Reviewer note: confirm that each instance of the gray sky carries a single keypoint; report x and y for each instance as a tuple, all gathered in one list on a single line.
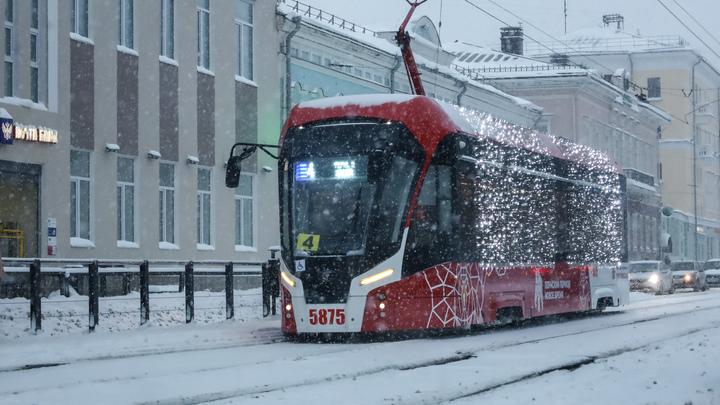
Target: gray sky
[(463, 20)]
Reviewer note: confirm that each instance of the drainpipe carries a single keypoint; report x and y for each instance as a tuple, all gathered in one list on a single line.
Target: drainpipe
[(288, 77), (398, 61), (694, 143), (462, 92)]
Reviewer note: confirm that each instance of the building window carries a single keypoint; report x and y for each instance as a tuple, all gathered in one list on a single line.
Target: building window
[(9, 46), (34, 49), (167, 203), (653, 87), (243, 22), (126, 22), (125, 199), (203, 206), (167, 28), (80, 17), (203, 33), (80, 194), (244, 208)]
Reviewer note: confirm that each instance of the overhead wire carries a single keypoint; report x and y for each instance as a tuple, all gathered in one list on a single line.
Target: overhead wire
[(688, 28), (579, 53), (696, 21)]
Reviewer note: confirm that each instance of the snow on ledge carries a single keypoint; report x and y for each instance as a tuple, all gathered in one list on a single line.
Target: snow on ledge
[(245, 81), (165, 59), (202, 70), (81, 38), (81, 243), (23, 102), (168, 246), (125, 49), (247, 249), (202, 246), (123, 244)]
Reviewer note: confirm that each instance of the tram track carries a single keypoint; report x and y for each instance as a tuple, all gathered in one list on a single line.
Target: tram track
[(573, 366)]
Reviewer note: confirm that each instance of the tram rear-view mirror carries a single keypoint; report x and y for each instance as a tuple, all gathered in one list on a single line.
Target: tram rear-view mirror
[(232, 172)]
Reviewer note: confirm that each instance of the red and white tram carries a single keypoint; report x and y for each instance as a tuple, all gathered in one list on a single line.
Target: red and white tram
[(400, 212)]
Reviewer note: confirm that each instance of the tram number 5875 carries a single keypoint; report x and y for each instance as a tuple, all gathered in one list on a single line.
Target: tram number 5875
[(327, 316)]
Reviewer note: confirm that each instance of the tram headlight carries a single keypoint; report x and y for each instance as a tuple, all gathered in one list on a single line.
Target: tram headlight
[(288, 307), (376, 277), (654, 279), (287, 279), (382, 305)]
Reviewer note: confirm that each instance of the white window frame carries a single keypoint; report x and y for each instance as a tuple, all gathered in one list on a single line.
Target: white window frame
[(245, 59), (9, 81), (167, 28), (76, 210), (167, 236), (204, 202), (126, 23), (79, 26), (241, 202), (203, 35), (124, 187), (38, 12)]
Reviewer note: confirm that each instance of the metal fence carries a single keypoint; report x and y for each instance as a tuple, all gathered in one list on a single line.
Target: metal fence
[(90, 277)]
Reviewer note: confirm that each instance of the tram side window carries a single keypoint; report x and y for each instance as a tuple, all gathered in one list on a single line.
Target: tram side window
[(591, 220), (514, 219)]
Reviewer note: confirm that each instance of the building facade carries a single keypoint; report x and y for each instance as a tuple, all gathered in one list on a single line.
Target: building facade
[(676, 78), (120, 116)]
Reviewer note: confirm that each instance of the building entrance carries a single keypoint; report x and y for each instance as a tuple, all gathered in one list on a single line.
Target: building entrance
[(19, 209)]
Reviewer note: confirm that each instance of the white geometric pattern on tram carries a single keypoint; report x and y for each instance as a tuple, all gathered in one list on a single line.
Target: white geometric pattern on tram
[(457, 292)]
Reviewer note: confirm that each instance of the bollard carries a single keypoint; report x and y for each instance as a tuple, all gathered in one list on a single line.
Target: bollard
[(189, 293), (35, 310), (65, 284), (144, 292), (126, 283), (93, 290), (270, 285), (229, 292)]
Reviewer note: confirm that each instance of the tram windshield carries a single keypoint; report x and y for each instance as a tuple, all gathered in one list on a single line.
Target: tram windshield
[(347, 188)]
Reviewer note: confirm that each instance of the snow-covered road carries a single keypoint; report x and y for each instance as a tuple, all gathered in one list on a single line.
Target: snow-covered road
[(657, 350)]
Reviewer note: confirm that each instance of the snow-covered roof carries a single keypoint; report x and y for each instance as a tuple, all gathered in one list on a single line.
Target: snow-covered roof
[(480, 61), (605, 39)]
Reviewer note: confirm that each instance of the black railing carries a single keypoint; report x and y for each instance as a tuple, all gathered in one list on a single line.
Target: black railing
[(98, 271), (313, 12)]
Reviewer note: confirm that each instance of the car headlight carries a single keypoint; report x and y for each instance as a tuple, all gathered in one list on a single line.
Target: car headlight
[(654, 279), (688, 277)]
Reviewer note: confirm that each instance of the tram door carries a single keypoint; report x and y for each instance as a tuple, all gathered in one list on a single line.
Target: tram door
[(19, 209)]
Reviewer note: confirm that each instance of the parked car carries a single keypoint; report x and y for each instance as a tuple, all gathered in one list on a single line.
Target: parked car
[(689, 274), (712, 272), (650, 275)]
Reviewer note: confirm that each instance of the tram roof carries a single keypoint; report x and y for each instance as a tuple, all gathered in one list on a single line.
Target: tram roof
[(431, 120)]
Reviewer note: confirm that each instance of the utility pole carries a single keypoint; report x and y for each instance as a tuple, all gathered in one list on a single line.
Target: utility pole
[(565, 8)]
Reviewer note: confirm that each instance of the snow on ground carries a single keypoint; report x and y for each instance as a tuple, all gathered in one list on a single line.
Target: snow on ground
[(69, 315), (660, 360)]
